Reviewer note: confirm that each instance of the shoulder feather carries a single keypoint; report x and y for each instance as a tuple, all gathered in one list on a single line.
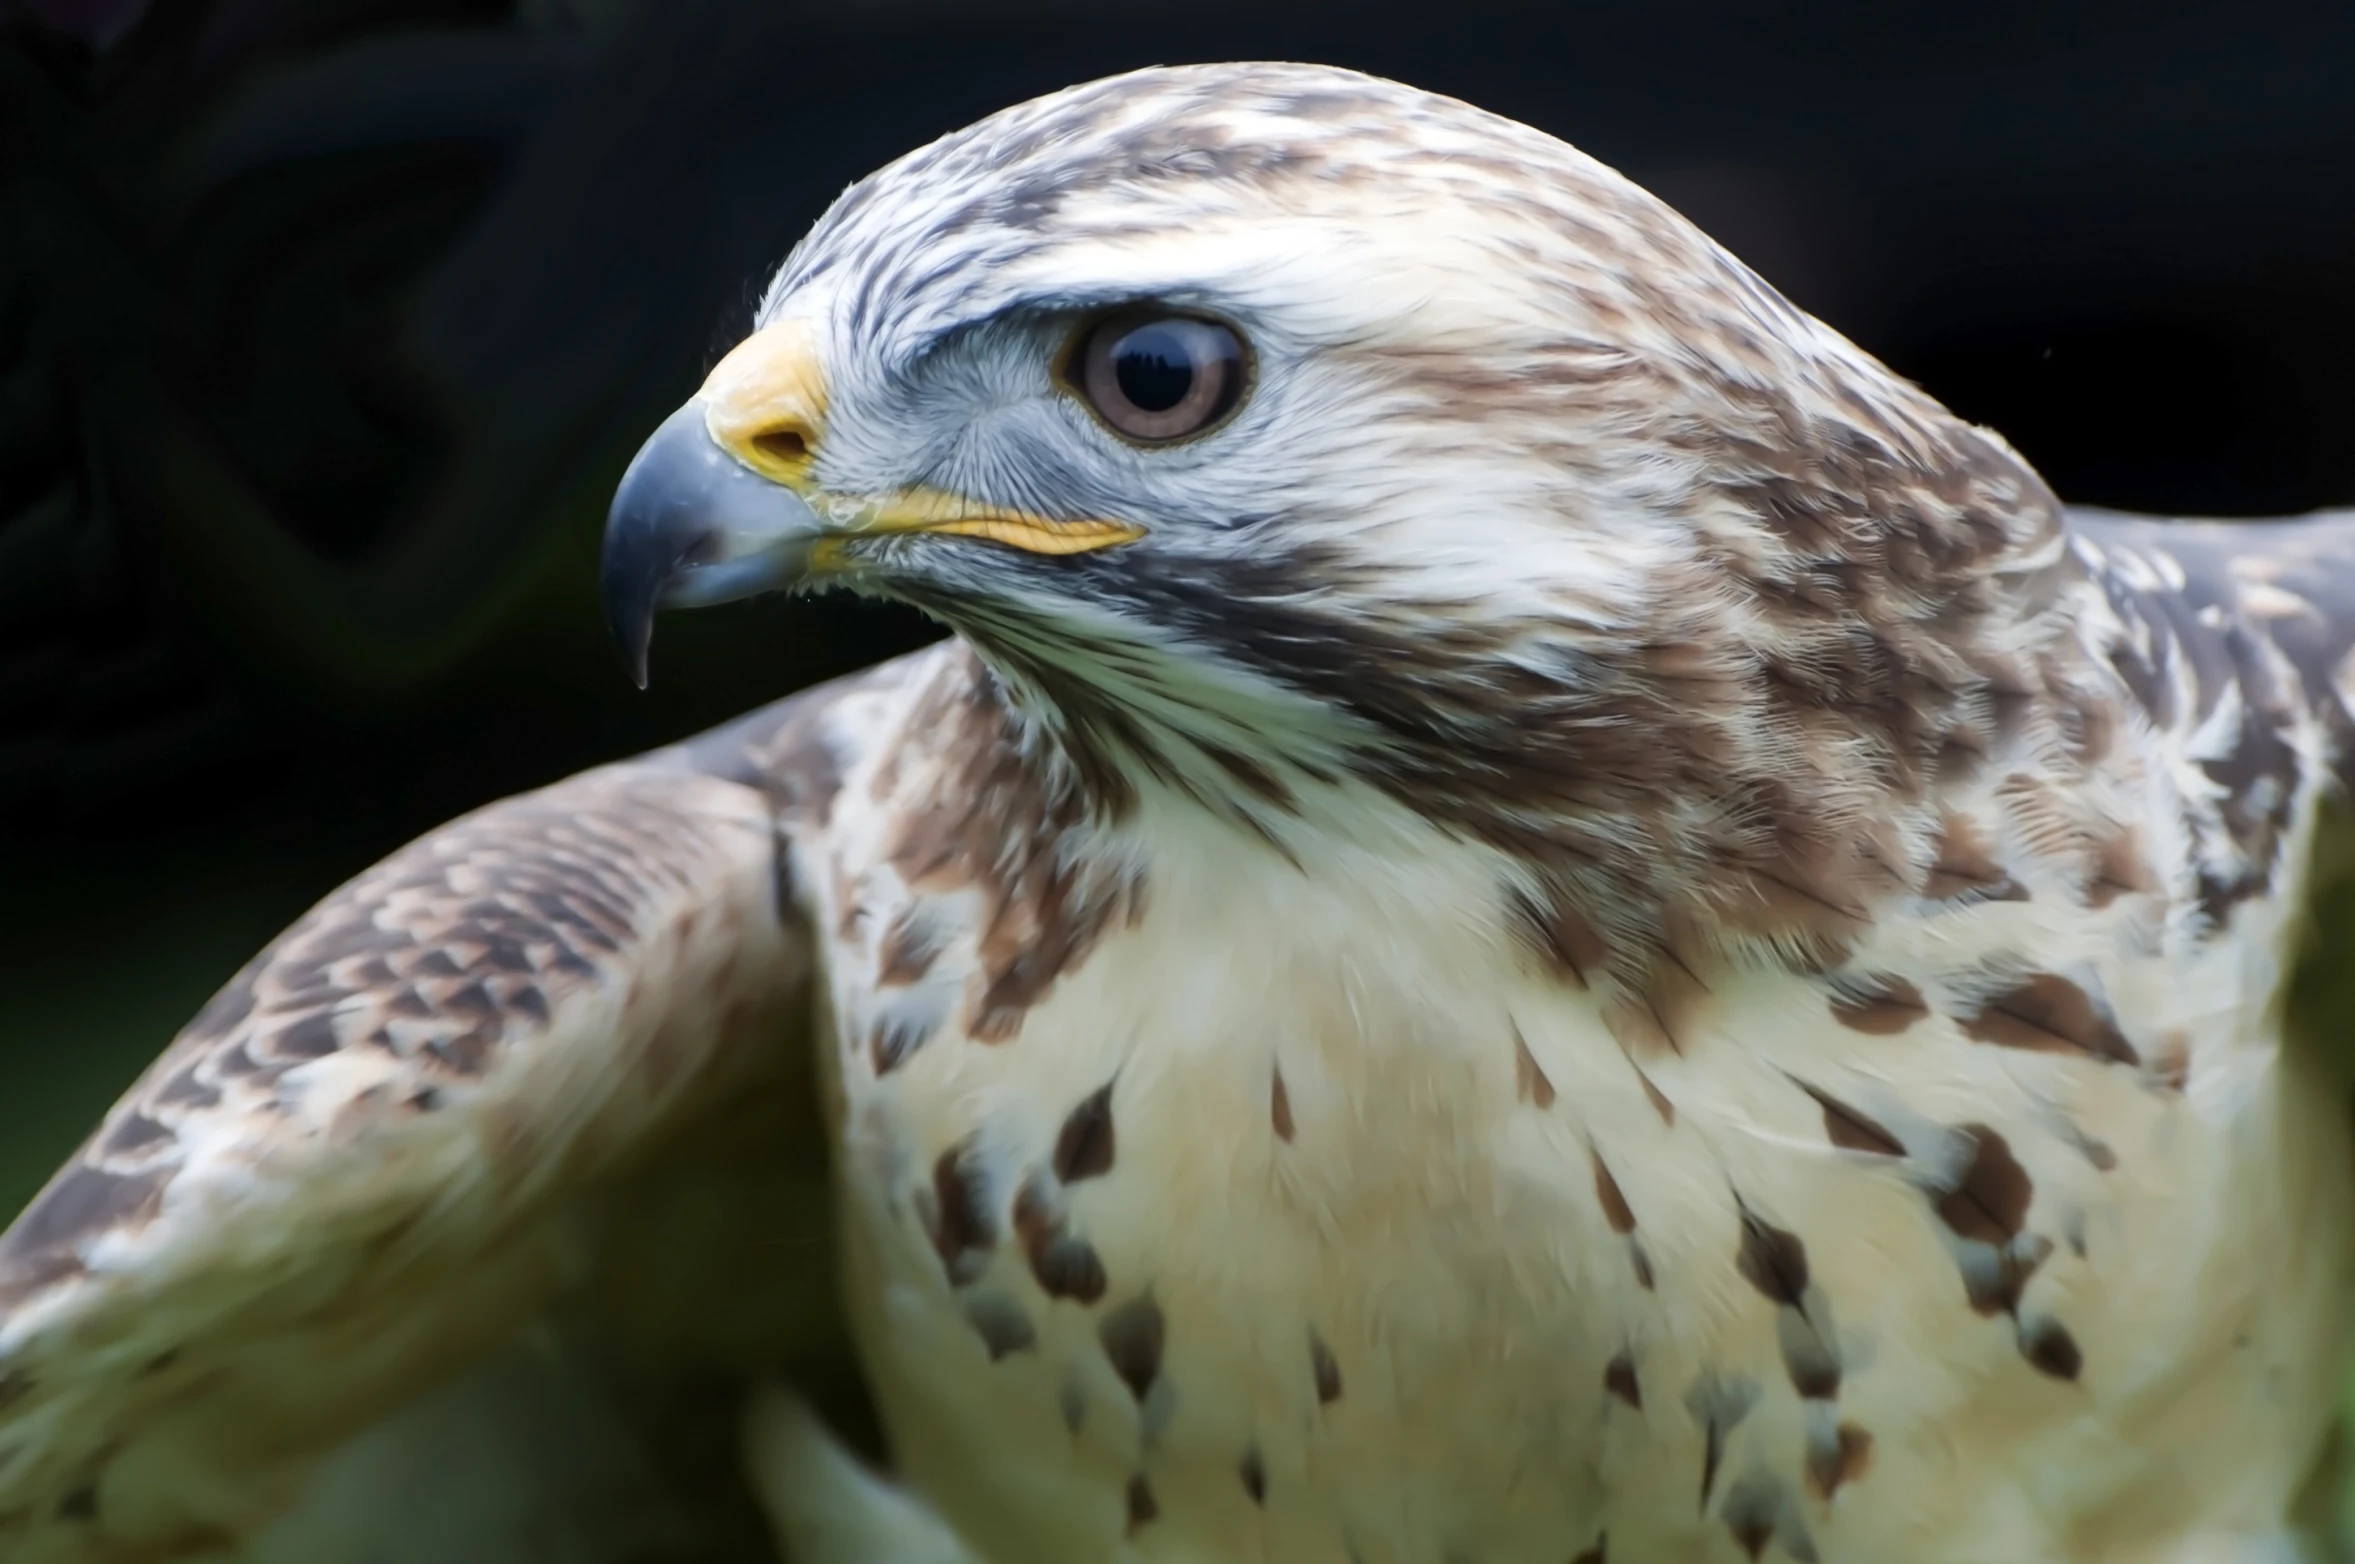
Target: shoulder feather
[(356, 1161)]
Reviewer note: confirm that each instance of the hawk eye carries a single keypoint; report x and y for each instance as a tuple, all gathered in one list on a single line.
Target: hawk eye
[(1157, 378)]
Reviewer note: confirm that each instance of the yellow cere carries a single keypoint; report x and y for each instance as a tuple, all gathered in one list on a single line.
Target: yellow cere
[(765, 403)]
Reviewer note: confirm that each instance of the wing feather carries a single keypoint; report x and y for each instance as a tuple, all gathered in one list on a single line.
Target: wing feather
[(2187, 592), (380, 1149)]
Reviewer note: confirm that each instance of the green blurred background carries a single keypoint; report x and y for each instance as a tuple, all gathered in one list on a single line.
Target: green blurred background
[(326, 327)]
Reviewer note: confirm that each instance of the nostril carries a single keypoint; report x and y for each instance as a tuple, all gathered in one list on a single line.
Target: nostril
[(783, 445)]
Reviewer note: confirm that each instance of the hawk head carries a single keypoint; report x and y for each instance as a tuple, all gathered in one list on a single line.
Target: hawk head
[(1271, 429)]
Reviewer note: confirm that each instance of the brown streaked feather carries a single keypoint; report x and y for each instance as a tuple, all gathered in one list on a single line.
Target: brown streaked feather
[(407, 1128), (2231, 637)]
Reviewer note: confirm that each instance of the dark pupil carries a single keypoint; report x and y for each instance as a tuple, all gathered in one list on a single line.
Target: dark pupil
[(1154, 369)]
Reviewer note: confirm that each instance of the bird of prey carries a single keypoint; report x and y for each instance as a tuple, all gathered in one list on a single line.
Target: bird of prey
[(1535, 914)]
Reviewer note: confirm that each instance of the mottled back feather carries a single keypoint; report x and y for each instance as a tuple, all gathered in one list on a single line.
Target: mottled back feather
[(494, 1073)]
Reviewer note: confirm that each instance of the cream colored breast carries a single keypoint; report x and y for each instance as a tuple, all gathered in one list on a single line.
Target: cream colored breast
[(1302, 1219)]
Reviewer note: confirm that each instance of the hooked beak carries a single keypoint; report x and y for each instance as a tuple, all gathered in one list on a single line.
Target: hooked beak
[(720, 503), (691, 526)]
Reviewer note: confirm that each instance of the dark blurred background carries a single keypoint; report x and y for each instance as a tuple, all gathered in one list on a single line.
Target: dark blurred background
[(326, 327)]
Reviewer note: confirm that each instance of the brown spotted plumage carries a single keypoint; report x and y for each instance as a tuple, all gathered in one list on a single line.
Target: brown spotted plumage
[(1142, 1506), (1325, 1373), (1851, 1130), (1620, 1379), (395, 1139), (1064, 1265), (1583, 916), (1084, 1148), (1132, 1338), (1836, 1457), (962, 1229)]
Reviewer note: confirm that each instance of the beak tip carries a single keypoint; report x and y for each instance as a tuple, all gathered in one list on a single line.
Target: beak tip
[(690, 526), (631, 593)]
